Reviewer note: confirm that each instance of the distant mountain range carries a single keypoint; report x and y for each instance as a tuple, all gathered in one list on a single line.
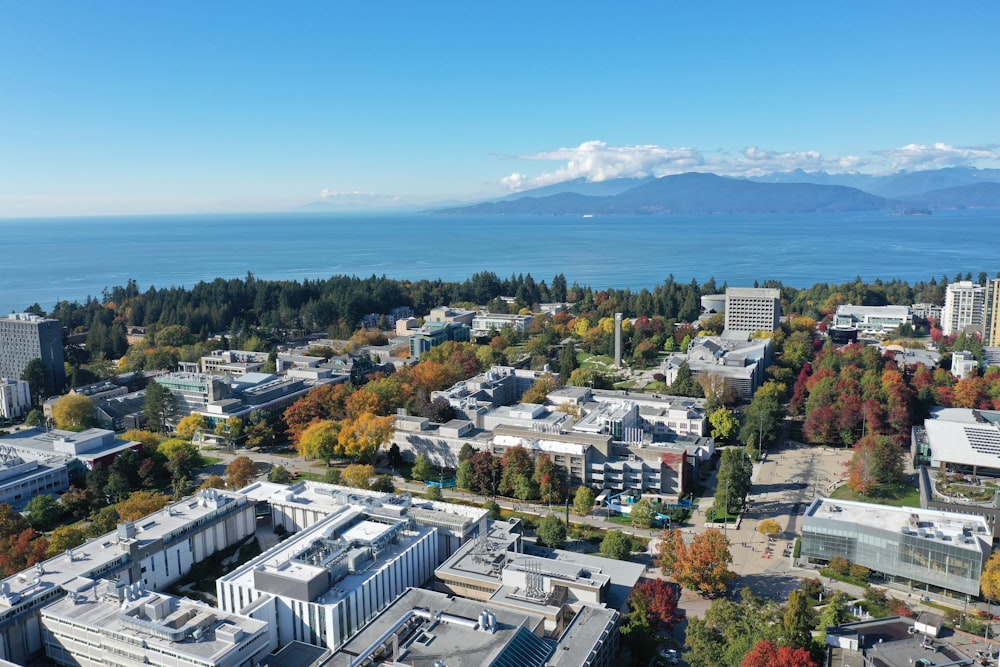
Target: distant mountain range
[(786, 192)]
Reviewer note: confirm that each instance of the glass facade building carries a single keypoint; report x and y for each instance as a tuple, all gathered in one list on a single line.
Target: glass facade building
[(919, 546)]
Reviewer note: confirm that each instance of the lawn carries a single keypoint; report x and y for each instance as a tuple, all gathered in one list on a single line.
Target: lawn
[(900, 495), (209, 461)]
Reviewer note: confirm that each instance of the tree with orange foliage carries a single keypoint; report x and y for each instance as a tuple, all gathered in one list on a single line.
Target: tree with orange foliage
[(360, 438), (363, 401), (766, 654), (140, 504), (323, 402), (701, 566)]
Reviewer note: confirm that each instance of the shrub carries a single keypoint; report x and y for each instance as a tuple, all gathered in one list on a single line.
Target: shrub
[(841, 566), (797, 549), (859, 572)]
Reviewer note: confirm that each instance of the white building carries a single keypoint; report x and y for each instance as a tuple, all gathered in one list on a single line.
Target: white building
[(325, 583), (104, 623), (21, 478), (15, 398), (751, 309), (964, 305), (484, 321), (155, 551), (872, 318)]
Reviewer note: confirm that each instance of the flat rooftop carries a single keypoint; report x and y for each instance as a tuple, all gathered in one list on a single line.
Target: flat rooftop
[(103, 552), (195, 626), (454, 638), (963, 531), (887, 643)]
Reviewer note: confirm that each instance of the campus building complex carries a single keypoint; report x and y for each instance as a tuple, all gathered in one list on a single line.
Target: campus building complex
[(873, 318), (24, 337), (153, 553), (106, 623), (327, 581), (940, 551)]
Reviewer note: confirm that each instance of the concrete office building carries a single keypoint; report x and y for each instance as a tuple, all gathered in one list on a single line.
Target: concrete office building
[(454, 315), (326, 582), (423, 628), (15, 398), (95, 445), (741, 363), (964, 306), (302, 505), (872, 318), (926, 549), (105, 623), (24, 337), (435, 333), (751, 309), (155, 551), (23, 478), (502, 569), (484, 321), (501, 385)]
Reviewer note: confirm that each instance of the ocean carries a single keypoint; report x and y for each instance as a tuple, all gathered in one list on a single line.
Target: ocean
[(48, 260)]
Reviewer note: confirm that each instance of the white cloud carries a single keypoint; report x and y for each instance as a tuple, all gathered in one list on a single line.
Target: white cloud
[(919, 157), (358, 198), (598, 161)]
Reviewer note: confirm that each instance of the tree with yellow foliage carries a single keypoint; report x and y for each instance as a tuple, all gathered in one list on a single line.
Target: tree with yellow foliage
[(360, 438), (140, 504), (74, 412), (320, 440), (189, 425), (989, 580)]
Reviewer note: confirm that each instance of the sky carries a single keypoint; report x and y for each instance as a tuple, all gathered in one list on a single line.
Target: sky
[(192, 106)]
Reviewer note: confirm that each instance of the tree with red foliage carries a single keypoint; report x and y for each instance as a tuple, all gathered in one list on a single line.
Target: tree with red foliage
[(766, 654), (821, 425), (661, 600), (486, 472), (322, 403), (798, 402)]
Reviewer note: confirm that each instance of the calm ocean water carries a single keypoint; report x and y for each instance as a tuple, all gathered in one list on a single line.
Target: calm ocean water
[(47, 260)]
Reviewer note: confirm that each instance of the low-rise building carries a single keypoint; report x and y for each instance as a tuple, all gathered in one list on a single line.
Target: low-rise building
[(22, 478), (232, 362), (106, 623), (435, 333), (930, 549), (453, 315), (484, 321), (423, 628), (155, 551), (740, 362), (873, 318), (85, 448)]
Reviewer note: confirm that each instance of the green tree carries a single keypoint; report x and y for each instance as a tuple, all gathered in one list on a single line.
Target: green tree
[(43, 511), (433, 493), (799, 620), (118, 488), (103, 521), (763, 418), (835, 612), (333, 476), (38, 384), (524, 488), (616, 544), (465, 475), (733, 480), (279, 475), (642, 514), (159, 406), (63, 538), (567, 362), (466, 452), (583, 501), (74, 412), (493, 508), (551, 531), (422, 468), (724, 425), (35, 418)]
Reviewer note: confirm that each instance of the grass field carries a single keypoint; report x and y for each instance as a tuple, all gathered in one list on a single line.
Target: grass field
[(901, 495)]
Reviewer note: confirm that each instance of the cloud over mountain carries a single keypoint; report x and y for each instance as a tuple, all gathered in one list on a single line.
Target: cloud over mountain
[(597, 161), (919, 157)]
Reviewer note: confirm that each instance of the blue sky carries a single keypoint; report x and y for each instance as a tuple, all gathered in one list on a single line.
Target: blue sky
[(124, 107)]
